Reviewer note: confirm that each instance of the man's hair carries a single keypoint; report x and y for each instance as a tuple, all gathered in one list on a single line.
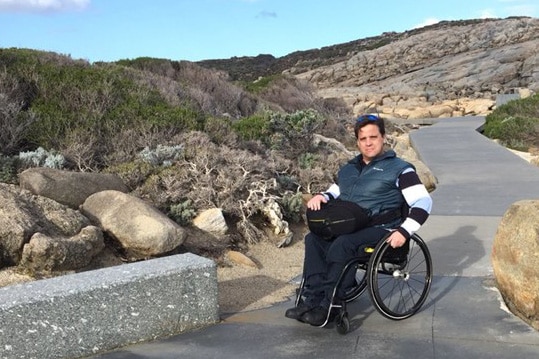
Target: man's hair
[(365, 120)]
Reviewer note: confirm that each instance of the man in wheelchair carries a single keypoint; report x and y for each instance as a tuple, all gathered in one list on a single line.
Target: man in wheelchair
[(376, 180)]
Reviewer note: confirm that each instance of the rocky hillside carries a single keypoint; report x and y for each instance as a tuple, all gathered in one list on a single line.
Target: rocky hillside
[(453, 68)]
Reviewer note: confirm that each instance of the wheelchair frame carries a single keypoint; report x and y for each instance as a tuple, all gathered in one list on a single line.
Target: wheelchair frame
[(398, 280)]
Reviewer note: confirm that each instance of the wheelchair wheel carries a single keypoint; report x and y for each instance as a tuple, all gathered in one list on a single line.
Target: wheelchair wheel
[(399, 279), (342, 323)]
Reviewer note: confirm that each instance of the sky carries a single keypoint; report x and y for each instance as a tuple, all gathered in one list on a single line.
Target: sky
[(194, 30)]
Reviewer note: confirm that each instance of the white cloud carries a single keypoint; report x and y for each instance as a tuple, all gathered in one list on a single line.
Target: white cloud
[(487, 14), (42, 5), (427, 22)]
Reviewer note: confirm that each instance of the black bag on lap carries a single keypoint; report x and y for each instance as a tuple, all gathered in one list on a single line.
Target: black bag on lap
[(337, 217)]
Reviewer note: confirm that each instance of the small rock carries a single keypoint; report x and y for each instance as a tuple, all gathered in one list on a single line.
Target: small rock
[(240, 258)]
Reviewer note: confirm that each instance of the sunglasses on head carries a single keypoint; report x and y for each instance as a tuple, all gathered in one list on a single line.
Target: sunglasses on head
[(369, 118)]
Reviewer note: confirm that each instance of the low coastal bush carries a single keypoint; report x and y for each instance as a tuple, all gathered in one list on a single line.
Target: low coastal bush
[(515, 124)]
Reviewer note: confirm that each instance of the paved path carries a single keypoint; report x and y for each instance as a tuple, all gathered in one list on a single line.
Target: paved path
[(464, 316)]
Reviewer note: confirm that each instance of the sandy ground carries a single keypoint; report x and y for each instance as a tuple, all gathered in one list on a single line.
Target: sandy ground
[(524, 155), (243, 288)]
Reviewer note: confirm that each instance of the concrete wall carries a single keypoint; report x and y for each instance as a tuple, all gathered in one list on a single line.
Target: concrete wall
[(86, 313), (502, 99)]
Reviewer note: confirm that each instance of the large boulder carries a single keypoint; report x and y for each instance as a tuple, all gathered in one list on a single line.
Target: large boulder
[(22, 214), (141, 229), (68, 187), (45, 254), (515, 259)]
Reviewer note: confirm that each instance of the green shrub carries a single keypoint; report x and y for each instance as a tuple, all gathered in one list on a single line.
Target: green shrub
[(515, 124), (8, 169), (220, 131), (183, 212), (296, 125), (292, 133), (261, 84), (256, 127), (78, 105), (292, 206), (134, 173), (512, 131), (377, 44), (103, 101), (307, 160)]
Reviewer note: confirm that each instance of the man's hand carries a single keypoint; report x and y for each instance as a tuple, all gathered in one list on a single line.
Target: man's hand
[(396, 239), (315, 203)]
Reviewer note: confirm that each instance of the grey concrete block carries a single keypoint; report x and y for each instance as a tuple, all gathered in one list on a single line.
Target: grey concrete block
[(502, 99), (85, 313)]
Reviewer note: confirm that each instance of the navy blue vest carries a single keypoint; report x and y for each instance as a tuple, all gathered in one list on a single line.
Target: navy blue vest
[(373, 186)]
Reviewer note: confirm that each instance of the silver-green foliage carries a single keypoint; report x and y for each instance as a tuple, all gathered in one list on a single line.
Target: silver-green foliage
[(42, 158), (161, 155)]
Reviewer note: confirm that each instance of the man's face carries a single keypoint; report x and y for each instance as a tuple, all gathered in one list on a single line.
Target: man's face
[(370, 142)]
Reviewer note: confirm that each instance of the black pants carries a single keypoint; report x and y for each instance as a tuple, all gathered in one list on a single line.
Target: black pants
[(325, 260)]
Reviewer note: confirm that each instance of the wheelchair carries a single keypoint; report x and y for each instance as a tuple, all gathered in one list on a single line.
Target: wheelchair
[(398, 281)]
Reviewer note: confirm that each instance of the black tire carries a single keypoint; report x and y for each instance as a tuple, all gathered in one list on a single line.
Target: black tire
[(342, 324), (399, 280)]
